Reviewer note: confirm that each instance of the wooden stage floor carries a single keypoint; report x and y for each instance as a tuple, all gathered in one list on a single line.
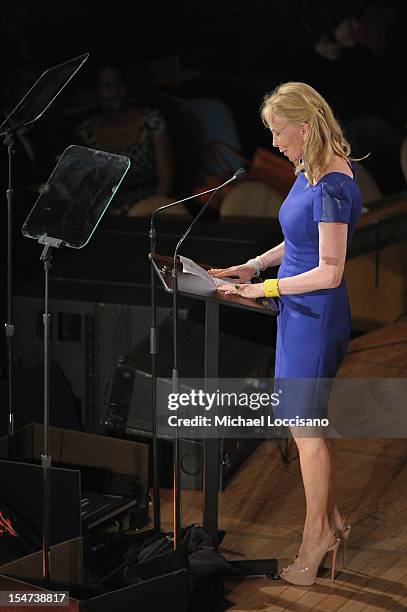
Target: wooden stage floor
[(262, 511)]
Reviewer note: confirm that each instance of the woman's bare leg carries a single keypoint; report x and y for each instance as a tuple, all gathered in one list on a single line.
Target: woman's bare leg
[(316, 475), (333, 511)]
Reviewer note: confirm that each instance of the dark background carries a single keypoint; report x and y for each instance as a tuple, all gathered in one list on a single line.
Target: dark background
[(239, 50)]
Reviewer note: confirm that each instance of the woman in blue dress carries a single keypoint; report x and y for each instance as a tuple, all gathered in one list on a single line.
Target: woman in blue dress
[(318, 218)]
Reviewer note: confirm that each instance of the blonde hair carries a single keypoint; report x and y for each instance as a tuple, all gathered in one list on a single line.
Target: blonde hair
[(300, 103)]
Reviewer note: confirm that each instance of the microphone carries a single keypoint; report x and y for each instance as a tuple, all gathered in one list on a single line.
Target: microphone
[(239, 173), (236, 176)]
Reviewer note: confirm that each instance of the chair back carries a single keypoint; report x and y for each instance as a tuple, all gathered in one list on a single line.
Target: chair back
[(251, 199)]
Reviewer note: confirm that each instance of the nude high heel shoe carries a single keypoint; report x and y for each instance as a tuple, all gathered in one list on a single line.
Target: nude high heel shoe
[(343, 534), (303, 574)]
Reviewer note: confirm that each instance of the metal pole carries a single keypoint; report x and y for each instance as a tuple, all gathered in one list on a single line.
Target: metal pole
[(9, 326), (45, 457), (175, 389), (154, 352), (211, 445)]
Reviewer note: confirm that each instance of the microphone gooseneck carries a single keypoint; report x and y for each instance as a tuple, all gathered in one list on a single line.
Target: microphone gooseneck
[(237, 175)]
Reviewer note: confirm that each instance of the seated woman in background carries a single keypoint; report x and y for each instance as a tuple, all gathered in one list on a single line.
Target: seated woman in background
[(125, 128)]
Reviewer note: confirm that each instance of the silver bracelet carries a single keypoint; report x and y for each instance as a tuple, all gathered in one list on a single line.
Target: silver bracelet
[(256, 264), (262, 267)]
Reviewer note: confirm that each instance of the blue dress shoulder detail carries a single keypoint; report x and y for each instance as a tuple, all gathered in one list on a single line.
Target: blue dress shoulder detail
[(333, 201)]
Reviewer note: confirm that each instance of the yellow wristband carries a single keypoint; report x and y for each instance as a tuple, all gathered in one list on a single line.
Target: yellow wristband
[(271, 287)]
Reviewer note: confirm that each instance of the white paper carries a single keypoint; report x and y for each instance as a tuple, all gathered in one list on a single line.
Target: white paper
[(190, 267), (226, 281)]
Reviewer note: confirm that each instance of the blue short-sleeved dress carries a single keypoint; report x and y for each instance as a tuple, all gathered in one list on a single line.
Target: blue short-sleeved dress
[(313, 329)]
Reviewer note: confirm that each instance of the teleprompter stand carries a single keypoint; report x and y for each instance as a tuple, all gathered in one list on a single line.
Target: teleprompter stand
[(67, 213), (30, 108), (193, 287)]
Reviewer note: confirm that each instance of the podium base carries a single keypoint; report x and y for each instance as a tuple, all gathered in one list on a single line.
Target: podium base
[(255, 567)]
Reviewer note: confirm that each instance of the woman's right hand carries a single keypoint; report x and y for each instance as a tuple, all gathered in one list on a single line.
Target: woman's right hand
[(242, 273)]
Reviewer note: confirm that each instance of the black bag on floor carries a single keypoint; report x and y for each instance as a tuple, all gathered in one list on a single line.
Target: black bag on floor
[(203, 557), (206, 564)]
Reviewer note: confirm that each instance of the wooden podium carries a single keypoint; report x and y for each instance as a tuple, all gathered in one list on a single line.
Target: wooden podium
[(194, 287)]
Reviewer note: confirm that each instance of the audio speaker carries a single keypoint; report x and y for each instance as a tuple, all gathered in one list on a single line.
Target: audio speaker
[(87, 339), (130, 408)]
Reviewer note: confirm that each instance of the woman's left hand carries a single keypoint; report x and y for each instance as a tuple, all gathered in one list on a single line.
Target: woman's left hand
[(246, 290)]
